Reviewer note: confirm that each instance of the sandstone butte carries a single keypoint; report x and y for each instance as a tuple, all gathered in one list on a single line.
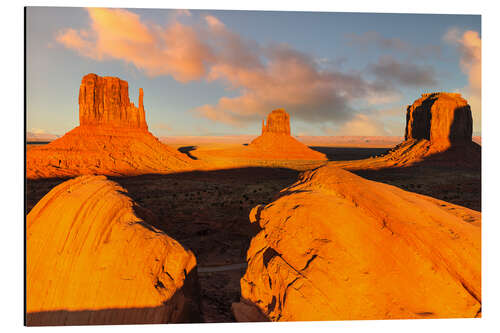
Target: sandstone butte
[(336, 246), (274, 144), (112, 138), (93, 259), (438, 131)]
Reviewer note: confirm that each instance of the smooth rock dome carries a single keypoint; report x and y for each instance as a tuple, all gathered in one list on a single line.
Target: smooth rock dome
[(93, 259), (336, 246)]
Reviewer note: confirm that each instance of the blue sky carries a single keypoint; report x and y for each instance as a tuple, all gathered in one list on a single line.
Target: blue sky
[(220, 72)]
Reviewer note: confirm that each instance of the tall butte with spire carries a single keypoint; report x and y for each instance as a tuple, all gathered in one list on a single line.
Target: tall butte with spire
[(104, 102), (276, 141), (112, 139)]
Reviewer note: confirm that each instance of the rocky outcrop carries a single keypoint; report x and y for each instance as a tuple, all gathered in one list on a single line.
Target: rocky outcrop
[(278, 121), (438, 132), (335, 246), (442, 118), (104, 101), (112, 139), (277, 143), (274, 147), (92, 258)]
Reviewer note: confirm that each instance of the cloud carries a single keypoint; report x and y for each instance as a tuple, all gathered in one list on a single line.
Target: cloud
[(38, 131), (265, 76), (408, 74), (363, 125), (469, 46), (119, 34), (373, 38)]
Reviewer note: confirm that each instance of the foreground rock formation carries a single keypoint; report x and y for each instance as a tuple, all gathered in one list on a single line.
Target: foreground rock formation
[(274, 144), (112, 139), (335, 246), (93, 259), (438, 131)]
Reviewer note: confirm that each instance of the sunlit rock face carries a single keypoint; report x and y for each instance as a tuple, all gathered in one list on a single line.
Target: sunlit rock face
[(278, 121), (112, 139), (276, 141), (442, 118), (438, 132), (104, 101), (335, 246), (93, 258)]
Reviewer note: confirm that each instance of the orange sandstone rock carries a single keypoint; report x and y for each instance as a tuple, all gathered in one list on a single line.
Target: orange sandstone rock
[(442, 118), (112, 139), (275, 143), (93, 259), (104, 101), (278, 121), (335, 246), (438, 131)]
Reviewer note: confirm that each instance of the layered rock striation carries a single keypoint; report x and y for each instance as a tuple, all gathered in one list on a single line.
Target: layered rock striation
[(278, 121), (104, 101), (442, 118), (335, 246), (92, 258), (112, 139)]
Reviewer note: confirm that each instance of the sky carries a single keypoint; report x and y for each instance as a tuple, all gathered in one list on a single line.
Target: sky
[(221, 72)]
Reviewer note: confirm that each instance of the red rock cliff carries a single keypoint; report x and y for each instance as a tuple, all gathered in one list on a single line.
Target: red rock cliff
[(443, 118), (278, 121), (104, 101)]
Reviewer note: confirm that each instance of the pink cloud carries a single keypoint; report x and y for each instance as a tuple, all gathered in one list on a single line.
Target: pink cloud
[(119, 34), (363, 125), (267, 77), (469, 46)]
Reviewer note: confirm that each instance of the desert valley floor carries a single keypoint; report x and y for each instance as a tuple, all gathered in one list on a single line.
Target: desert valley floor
[(207, 211)]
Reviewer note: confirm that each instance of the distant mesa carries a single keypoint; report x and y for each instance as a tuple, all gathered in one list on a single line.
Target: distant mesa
[(438, 131), (276, 141), (442, 118), (112, 139), (275, 144), (33, 137), (336, 246), (93, 258), (278, 121)]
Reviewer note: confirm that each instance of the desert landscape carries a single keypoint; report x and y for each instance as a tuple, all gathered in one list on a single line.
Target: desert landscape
[(127, 227)]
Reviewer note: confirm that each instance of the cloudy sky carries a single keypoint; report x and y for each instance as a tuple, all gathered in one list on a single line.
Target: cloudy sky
[(220, 72)]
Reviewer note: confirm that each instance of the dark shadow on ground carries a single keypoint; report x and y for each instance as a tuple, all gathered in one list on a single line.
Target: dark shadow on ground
[(207, 212), (187, 150), (349, 153), (460, 186)]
